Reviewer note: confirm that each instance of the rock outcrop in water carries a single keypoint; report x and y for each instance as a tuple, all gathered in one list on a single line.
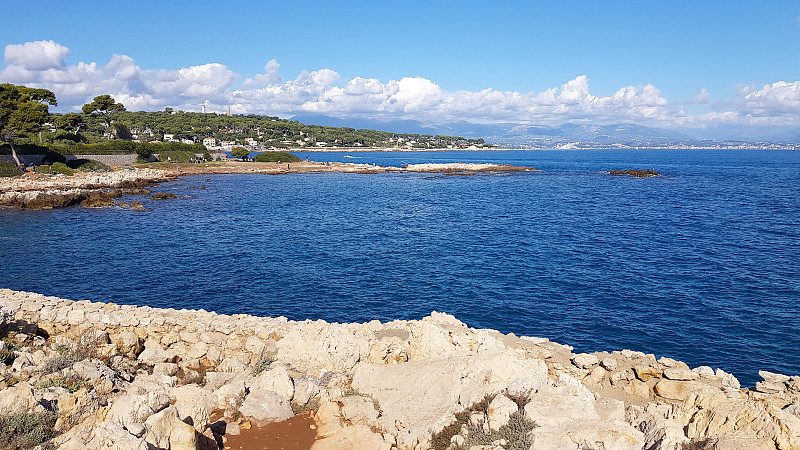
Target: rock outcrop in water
[(131, 377), (636, 173)]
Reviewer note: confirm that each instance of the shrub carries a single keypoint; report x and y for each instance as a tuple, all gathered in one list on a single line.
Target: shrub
[(23, 149), (51, 157), (277, 156), (60, 362), (88, 165), (703, 444), (7, 356), (239, 152), (9, 170), (69, 138), (311, 406), (516, 432), (207, 156), (70, 384), (62, 169), (262, 363), (176, 156), (26, 430)]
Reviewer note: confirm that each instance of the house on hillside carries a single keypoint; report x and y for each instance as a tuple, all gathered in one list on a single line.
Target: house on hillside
[(210, 142)]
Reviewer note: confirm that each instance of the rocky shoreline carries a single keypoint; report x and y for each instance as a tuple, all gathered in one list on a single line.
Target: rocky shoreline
[(120, 376), (40, 191)]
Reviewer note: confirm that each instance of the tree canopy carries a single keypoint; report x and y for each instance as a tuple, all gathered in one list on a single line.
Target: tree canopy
[(103, 104), (22, 110)]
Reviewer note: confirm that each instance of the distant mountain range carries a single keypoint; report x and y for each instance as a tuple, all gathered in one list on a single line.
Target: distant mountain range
[(571, 135)]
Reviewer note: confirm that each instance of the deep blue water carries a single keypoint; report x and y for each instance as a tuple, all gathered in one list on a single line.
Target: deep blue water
[(701, 265)]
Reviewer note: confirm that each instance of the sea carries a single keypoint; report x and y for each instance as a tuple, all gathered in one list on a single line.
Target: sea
[(700, 264)]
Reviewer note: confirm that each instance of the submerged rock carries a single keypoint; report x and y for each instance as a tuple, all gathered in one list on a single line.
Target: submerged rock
[(636, 173)]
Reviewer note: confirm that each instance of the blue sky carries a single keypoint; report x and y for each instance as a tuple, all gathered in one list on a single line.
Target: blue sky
[(669, 64)]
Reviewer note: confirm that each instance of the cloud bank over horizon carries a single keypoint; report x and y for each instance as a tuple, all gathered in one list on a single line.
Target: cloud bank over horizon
[(322, 91)]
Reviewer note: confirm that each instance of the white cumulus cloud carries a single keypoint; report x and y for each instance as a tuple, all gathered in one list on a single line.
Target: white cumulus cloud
[(37, 55), (42, 64)]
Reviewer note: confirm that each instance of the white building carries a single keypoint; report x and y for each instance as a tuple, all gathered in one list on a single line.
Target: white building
[(210, 142)]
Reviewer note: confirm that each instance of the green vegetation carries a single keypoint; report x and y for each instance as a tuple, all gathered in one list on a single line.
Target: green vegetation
[(70, 384), (88, 165), (107, 128), (7, 354), (9, 170), (176, 156), (23, 110), (60, 362), (26, 430), (516, 432), (277, 157), (240, 152), (262, 363), (55, 168)]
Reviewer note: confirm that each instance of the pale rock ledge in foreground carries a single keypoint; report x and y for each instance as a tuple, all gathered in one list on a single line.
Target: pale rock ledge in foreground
[(152, 378)]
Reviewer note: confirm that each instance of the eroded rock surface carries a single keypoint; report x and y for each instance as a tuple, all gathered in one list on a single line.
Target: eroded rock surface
[(139, 377)]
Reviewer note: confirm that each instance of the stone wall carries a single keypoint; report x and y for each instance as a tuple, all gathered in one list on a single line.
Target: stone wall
[(189, 334), (105, 159), (24, 159)]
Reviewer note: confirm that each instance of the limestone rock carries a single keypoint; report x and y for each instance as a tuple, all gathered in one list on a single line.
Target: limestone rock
[(422, 396), (166, 430), (265, 407), (321, 344), (276, 379), (555, 406), (595, 377), (609, 364), (711, 416), (681, 390), (6, 317), (128, 343), (73, 409), (193, 405), (679, 374), (637, 388), (645, 373), (103, 435), (660, 433), (585, 360), (358, 410), (703, 370), (583, 434), (154, 353), (328, 419), (500, 410), (18, 398), (355, 437), (230, 396), (728, 380), (168, 369), (215, 380), (134, 408), (304, 390), (231, 365), (96, 373)]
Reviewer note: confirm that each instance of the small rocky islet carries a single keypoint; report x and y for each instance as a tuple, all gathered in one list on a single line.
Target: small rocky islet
[(636, 173), (129, 377)]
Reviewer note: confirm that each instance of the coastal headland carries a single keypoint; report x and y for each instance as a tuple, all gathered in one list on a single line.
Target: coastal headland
[(137, 377), (45, 191)]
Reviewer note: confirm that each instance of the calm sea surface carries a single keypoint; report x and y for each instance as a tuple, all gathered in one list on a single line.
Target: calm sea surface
[(701, 265)]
